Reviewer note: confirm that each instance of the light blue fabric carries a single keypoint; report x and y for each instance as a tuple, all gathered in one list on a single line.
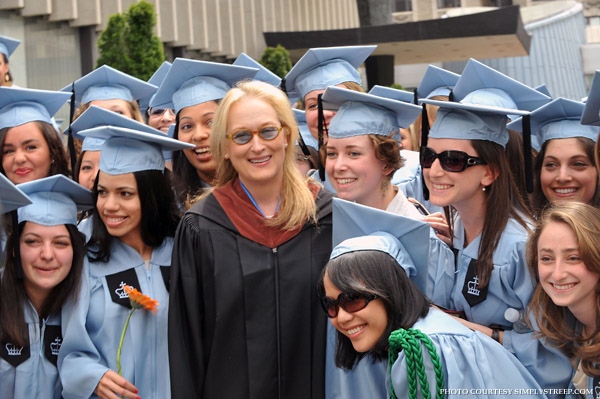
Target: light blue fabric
[(409, 179), (36, 377), (93, 330), (470, 361)]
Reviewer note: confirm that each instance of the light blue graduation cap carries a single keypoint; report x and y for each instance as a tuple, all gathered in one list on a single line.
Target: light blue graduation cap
[(591, 112), (436, 82), (127, 150), (543, 89), (192, 82), (8, 45), (304, 130), (107, 83), (96, 116), (325, 66), (263, 74), (156, 79), (362, 113), (19, 106), (362, 228), (559, 119), (11, 197), (55, 201), (391, 93)]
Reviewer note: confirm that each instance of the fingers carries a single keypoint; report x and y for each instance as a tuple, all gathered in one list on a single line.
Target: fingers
[(113, 386)]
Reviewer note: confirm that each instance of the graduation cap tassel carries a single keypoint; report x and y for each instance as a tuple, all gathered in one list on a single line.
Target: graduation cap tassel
[(322, 129), (424, 137), (527, 153), (415, 97), (282, 87), (451, 96), (302, 145), (16, 249), (70, 142)]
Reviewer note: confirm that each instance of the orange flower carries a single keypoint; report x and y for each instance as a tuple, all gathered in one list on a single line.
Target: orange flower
[(140, 301)]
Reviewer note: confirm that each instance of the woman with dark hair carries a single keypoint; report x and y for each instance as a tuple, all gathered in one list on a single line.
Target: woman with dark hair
[(31, 146), (41, 276), (195, 89), (134, 219), (7, 46), (565, 167), (371, 290), (564, 257)]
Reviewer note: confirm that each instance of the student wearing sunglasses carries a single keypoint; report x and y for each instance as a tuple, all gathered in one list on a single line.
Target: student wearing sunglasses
[(244, 320), (372, 292), (466, 170)]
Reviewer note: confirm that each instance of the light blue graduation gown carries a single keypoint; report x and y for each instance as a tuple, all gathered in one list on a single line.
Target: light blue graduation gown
[(30, 372), (93, 330), (474, 365)]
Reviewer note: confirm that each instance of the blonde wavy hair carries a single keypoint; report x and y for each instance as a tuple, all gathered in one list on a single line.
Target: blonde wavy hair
[(297, 203)]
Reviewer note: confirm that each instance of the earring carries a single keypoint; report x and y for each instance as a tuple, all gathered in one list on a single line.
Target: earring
[(483, 189), (6, 78)]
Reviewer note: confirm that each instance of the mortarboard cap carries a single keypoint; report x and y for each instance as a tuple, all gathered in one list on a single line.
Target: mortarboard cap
[(362, 113), (96, 116), (19, 106), (361, 228), (591, 112), (107, 83), (156, 79), (8, 45), (543, 89), (127, 150), (559, 119), (192, 82), (12, 197), (263, 73), (326, 66), (91, 144), (436, 82), (394, 94), (304, 130), (55, 200)]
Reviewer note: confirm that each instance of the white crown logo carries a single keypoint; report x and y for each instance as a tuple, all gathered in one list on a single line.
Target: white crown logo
[(13, 350), (472, 286), (597, 392), (55, 346), (121, 292)]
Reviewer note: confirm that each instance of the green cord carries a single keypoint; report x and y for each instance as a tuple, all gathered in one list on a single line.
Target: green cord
[(410, 342)]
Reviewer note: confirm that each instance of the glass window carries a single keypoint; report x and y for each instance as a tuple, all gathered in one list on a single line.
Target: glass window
[(403, 5)]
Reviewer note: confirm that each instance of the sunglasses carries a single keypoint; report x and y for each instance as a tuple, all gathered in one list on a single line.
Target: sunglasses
[(159, 111), (243, 136), (451, 161), (349, 302)]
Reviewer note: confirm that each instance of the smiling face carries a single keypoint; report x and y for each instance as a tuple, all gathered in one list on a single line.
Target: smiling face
[(567, 173), (46, 257), (354, 170), (258, 162), (161, 118), (25, 154), (562, 273), (119, 207), (363, 328), (459, 189), (194, 127), (89, 169)]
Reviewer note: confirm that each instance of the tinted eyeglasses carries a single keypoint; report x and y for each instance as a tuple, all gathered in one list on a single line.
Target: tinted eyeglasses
[(244, 136), (349, 302), (159, 111), (451, 161)]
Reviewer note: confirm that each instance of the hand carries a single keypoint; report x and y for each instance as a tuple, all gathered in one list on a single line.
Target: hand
[(438, 222), (482, 329), (113, 386)]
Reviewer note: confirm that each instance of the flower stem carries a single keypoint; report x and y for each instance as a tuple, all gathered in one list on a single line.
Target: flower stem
[(121, 341)]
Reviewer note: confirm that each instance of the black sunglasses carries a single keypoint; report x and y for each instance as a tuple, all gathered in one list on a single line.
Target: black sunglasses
[(451, 161), (159, 111), (349, 302)]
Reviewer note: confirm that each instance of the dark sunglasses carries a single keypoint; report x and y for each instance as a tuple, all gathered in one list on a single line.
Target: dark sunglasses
[(159, 111), (451, 161), (244, 136), (349, 302)]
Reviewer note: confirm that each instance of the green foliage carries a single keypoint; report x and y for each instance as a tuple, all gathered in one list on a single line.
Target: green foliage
[(129, 44), (277, 60), (397, 86)]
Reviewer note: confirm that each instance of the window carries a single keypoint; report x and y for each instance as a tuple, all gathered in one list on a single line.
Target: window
[(448, 3), (403, 5)]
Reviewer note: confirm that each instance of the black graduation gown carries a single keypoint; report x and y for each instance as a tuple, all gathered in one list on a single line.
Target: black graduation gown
[(245, 320)]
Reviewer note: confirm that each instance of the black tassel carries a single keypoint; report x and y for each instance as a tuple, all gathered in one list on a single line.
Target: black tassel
[(322, 130), (16, 247), (527, 153), (415, 97), (70, 142)]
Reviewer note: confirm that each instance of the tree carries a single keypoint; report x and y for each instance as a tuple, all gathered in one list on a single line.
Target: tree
[(129, 44), (277, 60)]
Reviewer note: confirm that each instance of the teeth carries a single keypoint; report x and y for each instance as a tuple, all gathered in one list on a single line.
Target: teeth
[(200, 151), (115, 220), (265, 159), (441, 186), (345, 181), (356, 329), (563, 286), (565, 190)]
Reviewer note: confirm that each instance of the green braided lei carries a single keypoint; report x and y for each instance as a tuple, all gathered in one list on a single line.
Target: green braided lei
[(410, 341)]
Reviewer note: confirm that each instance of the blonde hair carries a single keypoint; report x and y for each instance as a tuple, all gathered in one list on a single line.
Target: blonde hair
[(297, 203)]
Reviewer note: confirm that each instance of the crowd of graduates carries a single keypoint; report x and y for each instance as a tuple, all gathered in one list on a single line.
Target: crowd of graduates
[(219, 232)]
